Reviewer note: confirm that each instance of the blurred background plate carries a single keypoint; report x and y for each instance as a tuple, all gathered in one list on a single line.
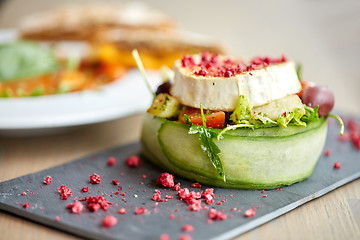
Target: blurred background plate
[(49, 114)]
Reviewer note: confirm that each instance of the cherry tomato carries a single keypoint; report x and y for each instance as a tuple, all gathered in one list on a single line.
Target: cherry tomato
[(214, 119)]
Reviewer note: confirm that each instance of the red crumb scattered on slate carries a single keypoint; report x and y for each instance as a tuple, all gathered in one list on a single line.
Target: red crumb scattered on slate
[(115, 182), (172, 216), (95, 203), (327, 152), (164, 236), (26, 205), (264, 195), (279, 189), (85, 189), (133, 161), (122, 211), (216, 215), (185, 237), (95, 179), (48, 180), (250, 212), (157, 197), (177, 187), (111, 161), (165, 180), (23, 193), (262, 191), (140, 210), (109, 221), (196, 185), (187, 228), (65, 192), (144, 176), (57, 218), (337, 165), (76, 207)]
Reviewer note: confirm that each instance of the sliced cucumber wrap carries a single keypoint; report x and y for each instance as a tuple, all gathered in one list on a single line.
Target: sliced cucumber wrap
[(252, 159)]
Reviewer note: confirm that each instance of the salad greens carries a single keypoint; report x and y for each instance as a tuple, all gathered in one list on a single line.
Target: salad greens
[(22, 60), (206, 136)]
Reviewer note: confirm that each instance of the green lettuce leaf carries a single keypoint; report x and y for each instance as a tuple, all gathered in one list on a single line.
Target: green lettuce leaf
[(23, 60)]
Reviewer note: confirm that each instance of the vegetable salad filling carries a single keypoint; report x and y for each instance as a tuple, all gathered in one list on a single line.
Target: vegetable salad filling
[(307, 105)]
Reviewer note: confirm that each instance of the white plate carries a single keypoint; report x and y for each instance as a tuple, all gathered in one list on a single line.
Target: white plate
[(46, 114), (55, 113)]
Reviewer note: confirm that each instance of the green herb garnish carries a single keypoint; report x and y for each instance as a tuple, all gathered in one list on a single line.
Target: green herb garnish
[(206, 136)]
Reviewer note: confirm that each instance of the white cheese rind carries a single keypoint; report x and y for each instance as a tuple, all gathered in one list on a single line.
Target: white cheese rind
[(219, 93)]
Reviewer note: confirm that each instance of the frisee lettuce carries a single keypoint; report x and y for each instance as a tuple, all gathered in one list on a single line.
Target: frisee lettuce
[(206, 136)]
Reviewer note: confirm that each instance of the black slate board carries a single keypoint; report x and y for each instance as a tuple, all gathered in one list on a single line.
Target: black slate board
[(46, 204)]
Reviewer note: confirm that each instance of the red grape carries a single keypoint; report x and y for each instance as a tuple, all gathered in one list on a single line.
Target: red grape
[(318, 95)]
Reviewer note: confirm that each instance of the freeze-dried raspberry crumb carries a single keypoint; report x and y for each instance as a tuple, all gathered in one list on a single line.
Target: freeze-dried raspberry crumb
[(185, 237), (209, 196), (184, 193), (177, 187), (76, 207), (262, 191), (337, 165), (133, 161), (165, 179), (157, 197), (169, 197), (144, 176), (217, 215), (196, 185), (187, 228), (57, 218), (264, 195), (164, 236), (64, 191), (111, 161), (48, 180), (345, 137), (109, 221), (194, 205), (172, 216), (250, 212), (26, 205), (95, 203), (95, 179), (115, 182), (219, 203), (122, 211), (140, 210), (327, 152), (279, 189), (23, 193), (85, 189)]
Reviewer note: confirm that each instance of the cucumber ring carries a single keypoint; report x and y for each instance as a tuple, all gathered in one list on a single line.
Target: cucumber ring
[(252, 159)]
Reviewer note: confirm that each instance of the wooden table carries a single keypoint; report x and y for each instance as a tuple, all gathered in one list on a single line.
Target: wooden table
[(333, 216)]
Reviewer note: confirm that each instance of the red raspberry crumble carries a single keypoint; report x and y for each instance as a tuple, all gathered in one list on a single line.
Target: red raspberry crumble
[(111, 161), (109, 221), (140, 210), (64, 191), (209, 196), (250, 212), (196, 185), (185, 237), (217, 215), (157, 197), (95, 179), (76, 207), (187, 228), (133, 161), (122, 211), (177, 187), (48, 180), (115, 182), (164, 236), (57, 218), (26, 205), (165, 179), (95, 203), (337, 165), (23, 193), (85, 189), (327, 152)]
